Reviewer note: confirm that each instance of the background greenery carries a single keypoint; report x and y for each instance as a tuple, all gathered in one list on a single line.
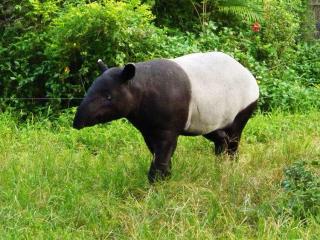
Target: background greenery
[(49, 48)]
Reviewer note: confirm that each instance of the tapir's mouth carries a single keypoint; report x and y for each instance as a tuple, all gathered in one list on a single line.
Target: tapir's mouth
[(80, 122), (77, 126)]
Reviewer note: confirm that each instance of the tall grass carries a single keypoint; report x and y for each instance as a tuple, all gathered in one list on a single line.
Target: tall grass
[(60, 183)]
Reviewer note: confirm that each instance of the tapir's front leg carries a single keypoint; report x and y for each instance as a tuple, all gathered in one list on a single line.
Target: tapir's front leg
[(162, 145)]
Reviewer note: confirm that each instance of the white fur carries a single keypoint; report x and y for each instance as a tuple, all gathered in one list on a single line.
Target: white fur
[(220, 88)]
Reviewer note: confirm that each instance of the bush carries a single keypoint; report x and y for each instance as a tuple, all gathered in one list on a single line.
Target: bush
[(50, 48), (302, 188), (55, 52), (117, 32), (281, 26), (194, 15), (21, 51), (24, 68), (307, 64), (293, 85)]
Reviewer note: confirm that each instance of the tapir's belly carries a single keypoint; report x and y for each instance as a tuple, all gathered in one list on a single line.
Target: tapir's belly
[(220, 88)]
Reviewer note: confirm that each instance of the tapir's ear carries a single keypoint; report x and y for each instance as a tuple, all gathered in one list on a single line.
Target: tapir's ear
[(128, 72), (102, 66)]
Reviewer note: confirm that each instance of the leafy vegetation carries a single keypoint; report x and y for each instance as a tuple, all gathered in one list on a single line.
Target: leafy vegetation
[(118, 32), (57, 182), (303, 188), (49, 48), (195, 14)]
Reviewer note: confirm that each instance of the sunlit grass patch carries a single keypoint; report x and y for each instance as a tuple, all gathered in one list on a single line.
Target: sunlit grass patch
[(57, 182)]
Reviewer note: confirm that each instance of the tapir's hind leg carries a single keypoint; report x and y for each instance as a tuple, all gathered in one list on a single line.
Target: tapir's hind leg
[(234, 130), (228, 138), (220, 139)]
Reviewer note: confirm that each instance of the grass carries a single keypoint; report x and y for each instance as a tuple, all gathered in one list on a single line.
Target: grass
[(60, 183)]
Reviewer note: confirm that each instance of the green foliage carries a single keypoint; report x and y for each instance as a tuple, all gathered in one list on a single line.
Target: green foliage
[(307, 64), (174, 13), (24, 68), (50, 48), (246, 10), (302, 188), (117, 32), (195, 14), (281, 25), (21, 50), (294, 84)]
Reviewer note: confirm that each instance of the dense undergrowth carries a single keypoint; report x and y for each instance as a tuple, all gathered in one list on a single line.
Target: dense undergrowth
[(57, 182), (50, 48)]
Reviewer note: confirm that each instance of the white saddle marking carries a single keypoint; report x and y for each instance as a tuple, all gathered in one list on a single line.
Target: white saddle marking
[(220, 88)]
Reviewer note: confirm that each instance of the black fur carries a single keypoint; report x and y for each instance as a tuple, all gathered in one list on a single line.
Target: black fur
[(154, 96), (155, 101)]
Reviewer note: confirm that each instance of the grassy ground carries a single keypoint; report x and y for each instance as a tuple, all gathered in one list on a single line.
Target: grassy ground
[(59, 183)]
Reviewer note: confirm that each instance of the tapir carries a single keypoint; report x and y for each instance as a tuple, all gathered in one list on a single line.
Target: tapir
[(209, 94)]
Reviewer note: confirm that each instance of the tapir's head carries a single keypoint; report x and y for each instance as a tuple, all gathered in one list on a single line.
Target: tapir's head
[(108, 98)]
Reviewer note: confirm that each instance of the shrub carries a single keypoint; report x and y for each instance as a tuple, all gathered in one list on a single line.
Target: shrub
[(307, 64), (293, 85), (117, 32), (54, 46), (21, 53), (50, 48), (195, 14), (24, 68), (281, 26), (302, 187)]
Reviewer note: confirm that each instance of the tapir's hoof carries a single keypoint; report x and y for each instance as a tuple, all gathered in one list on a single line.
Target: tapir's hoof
[(157, 176)]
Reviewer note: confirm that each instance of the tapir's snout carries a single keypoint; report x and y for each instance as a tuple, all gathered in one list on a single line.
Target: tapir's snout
[(85, 116), (77, 123), (81, 117), (77, 126)]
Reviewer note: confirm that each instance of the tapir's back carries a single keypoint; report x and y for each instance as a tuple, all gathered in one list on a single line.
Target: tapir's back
[(220, 88)]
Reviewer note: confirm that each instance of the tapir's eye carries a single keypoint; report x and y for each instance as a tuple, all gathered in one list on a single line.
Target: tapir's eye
[(108, 97)]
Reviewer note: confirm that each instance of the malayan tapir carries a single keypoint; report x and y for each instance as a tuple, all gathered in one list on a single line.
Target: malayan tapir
[(209, 94)]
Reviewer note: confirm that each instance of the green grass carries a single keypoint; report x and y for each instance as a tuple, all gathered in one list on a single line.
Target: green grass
[(60, 183)]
